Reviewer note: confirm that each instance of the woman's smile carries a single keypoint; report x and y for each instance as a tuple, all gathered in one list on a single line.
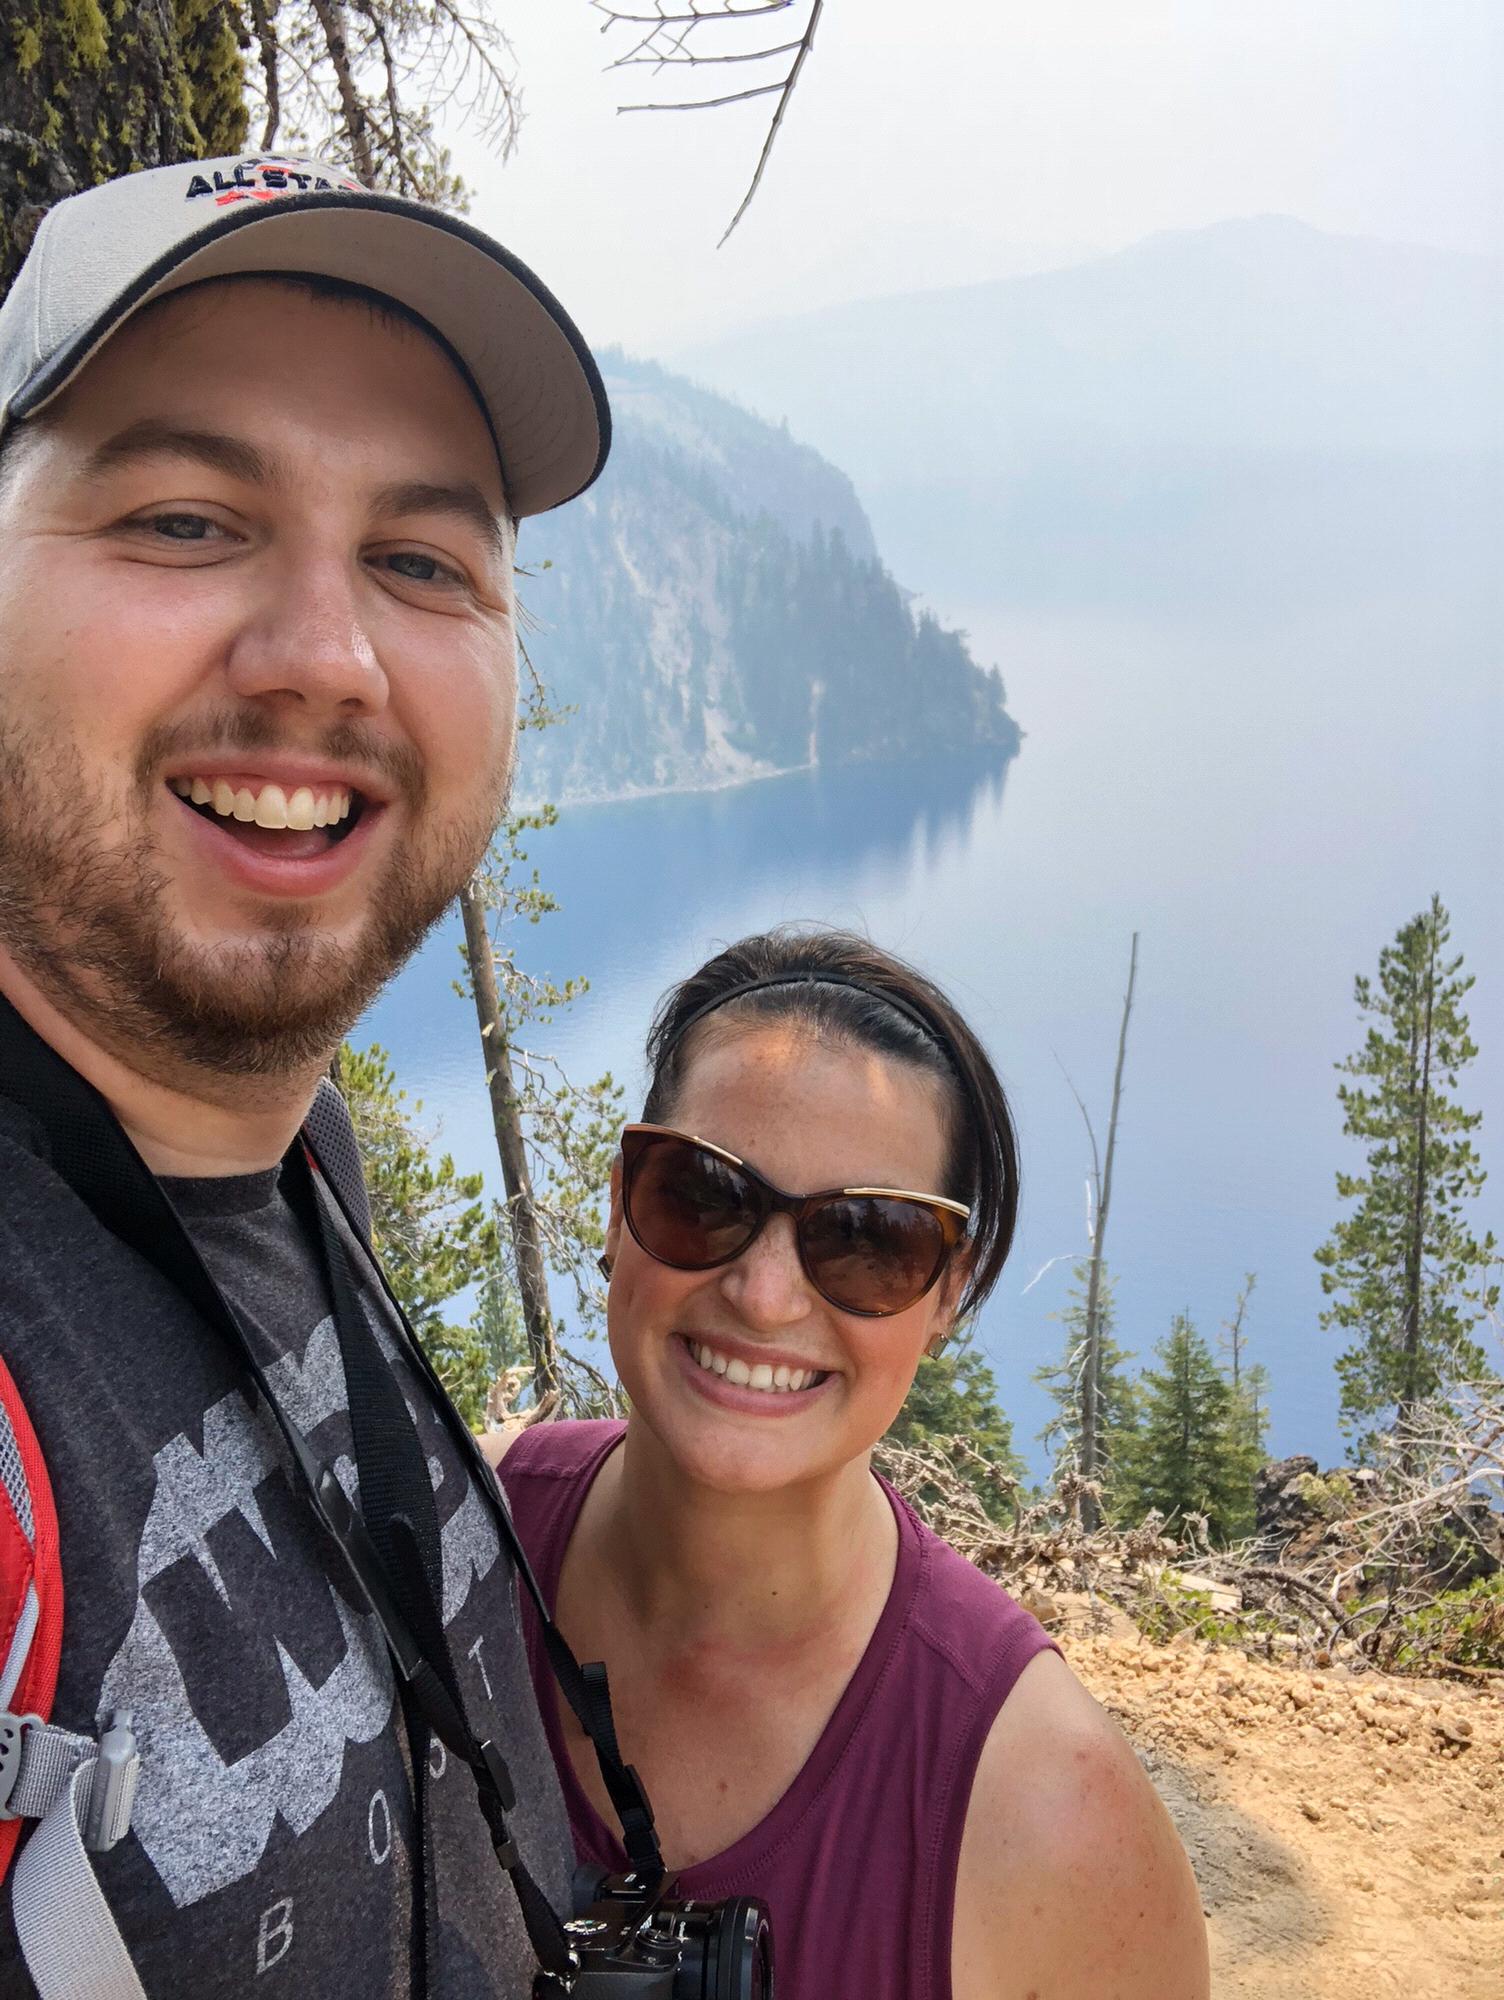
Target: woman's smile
[(767, 1386)]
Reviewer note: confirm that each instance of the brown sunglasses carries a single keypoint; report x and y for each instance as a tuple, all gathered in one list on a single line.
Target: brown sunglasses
[(870, 1251)]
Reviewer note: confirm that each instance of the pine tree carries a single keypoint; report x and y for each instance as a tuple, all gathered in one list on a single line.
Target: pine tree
[(955, 1395), (1408, 1279), (556, 1139), (1248, 1384), (1117, 1399), (431, 1226), (1187, 1457)]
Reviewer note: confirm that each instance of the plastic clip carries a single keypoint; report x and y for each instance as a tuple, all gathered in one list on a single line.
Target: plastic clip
[(112, 1792)]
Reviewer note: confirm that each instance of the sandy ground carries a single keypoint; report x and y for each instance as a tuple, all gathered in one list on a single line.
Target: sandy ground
[(1347, 1831)]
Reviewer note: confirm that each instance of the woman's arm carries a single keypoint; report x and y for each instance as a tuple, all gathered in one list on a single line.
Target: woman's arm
[(1072, 1884)]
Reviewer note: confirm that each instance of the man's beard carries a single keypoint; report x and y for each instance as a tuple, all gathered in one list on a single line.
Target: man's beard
[(88, 914)]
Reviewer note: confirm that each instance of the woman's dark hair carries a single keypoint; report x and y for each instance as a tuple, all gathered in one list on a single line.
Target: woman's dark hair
[(847, 989)]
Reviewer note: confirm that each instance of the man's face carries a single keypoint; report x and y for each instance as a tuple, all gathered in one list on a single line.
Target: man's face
[(256, 555)]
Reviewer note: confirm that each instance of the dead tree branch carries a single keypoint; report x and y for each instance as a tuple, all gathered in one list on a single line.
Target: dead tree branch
[(365, 80), (678, 38)]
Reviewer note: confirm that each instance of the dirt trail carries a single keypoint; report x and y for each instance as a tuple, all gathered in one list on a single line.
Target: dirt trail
[(1347, 1831)]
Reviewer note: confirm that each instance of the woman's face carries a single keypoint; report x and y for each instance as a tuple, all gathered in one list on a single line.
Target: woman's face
[(807, 1116)]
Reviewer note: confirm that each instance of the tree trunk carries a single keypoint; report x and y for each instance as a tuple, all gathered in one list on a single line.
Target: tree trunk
[(331, 20), (91, 90), (506, 1117), (1416, 1247), (1091, 1443)]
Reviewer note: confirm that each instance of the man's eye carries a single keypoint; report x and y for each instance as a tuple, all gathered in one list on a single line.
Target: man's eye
[(419, 568), (180, 527)]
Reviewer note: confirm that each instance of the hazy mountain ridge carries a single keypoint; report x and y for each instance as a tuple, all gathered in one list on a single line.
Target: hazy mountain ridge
[(1254, 405), (713, 612), (757, 466)]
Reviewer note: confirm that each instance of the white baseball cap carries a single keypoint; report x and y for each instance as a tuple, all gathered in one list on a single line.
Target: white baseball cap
[(100, 256)]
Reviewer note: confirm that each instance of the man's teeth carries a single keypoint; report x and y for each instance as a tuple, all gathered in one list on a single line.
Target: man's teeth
[(271, 806), (778, 1381)]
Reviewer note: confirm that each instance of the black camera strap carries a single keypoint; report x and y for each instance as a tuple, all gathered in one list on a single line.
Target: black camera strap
[(585, 1688), (391, 1543)]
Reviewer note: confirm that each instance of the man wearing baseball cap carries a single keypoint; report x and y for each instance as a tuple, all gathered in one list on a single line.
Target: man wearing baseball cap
[(264, 439)]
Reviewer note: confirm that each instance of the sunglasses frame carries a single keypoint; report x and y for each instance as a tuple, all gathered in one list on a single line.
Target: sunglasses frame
[(952, 1216)]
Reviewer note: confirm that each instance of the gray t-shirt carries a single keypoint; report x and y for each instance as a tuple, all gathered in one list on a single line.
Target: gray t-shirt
[(271, 1849)]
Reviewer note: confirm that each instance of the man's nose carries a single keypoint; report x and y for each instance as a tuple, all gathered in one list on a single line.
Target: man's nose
[(766, 1285), (305, 642)]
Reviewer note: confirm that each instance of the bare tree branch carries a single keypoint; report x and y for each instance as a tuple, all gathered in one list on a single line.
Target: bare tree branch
[(271, 76), (728, 11), (661, 49), (666, 61), (709, 104), (366, 81), (330, 15)]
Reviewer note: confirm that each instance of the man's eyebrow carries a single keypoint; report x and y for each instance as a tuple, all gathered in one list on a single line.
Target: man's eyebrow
[(152, 437), (464, 501)]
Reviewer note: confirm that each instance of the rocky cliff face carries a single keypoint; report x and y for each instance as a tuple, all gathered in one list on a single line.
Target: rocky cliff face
[(714, 611)]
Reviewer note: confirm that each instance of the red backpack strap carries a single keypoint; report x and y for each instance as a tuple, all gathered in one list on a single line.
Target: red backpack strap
[(31, 1578), (75, 1791)]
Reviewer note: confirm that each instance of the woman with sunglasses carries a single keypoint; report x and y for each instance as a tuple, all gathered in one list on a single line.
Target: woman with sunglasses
[(830, 1709)]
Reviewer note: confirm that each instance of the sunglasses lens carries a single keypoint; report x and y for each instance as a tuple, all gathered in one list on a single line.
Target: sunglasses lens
[(686, 1207), (870, 1254)]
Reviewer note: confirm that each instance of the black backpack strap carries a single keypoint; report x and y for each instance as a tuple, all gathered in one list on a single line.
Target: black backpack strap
[(332, 1136)]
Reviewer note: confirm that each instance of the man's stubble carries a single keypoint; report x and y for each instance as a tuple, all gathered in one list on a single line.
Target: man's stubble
[(85, 911)]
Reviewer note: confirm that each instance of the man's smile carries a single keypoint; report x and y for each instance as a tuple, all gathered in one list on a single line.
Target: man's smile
[(277, 836), (268, 805)]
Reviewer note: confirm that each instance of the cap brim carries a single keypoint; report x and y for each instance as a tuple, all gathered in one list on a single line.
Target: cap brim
[(541, 388)]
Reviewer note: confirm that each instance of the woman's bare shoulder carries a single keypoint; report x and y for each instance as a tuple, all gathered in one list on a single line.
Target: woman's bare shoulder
[(1072, 1881), (496, 1440)]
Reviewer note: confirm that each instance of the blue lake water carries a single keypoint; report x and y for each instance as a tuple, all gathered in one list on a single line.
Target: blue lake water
[(1265, 805)]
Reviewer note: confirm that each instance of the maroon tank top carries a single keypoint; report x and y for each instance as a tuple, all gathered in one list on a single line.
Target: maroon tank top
[(857, 1861)]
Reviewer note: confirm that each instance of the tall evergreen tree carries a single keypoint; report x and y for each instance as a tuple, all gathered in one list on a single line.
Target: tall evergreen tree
[(1187, 1456), (1117, 1399), (1408, 1279)]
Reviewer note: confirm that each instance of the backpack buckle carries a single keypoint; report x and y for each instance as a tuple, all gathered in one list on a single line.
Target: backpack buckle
[(112, 1792), (12, 1744), (38, 1761)]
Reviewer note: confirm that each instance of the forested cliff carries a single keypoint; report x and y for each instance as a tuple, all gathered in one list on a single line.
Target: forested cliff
[(715, 610)]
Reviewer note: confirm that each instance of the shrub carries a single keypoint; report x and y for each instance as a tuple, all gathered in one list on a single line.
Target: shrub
[(1463, 1628), (1328, 1495), (1165, 1607)]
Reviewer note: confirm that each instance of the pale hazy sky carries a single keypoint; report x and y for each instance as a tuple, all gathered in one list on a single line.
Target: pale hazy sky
[(996, 136)]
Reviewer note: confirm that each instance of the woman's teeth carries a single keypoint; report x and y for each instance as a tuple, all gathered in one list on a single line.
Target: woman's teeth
[(776, 1381), (300, 810)]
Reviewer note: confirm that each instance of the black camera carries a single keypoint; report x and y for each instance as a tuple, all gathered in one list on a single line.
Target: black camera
[(635, 1945)]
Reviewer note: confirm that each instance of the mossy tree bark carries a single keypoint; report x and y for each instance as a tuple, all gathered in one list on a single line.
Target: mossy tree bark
[(92, 88)]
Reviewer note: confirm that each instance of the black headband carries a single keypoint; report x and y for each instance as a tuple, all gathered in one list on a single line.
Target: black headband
[(926, 1027)]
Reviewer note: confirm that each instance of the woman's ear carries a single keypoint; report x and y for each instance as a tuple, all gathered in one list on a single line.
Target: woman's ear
[(949, 1298), (614, 1218)]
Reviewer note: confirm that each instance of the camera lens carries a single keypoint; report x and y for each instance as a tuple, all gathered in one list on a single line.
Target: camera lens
[(739, 1953)]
